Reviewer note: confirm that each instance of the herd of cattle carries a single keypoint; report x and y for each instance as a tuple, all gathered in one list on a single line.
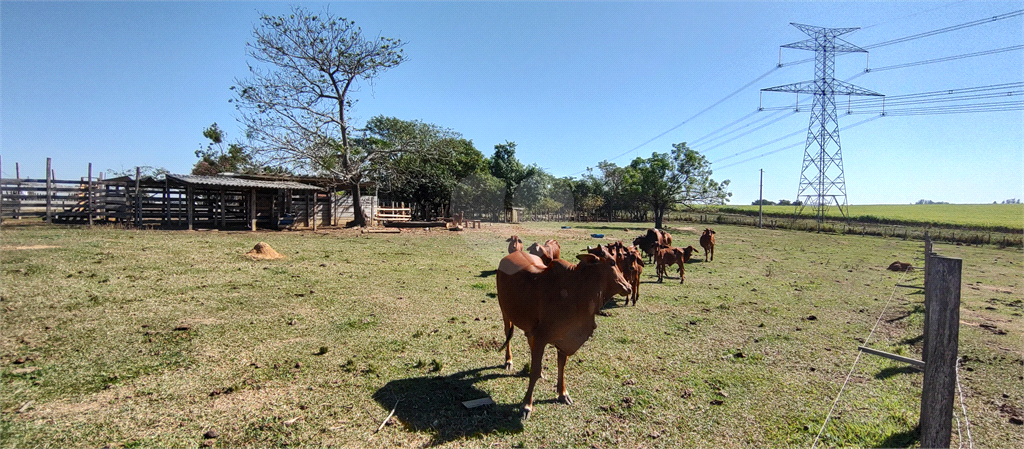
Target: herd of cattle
[(555, 302)]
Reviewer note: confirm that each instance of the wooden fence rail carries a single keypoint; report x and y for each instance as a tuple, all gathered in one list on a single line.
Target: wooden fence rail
[(143, 204)]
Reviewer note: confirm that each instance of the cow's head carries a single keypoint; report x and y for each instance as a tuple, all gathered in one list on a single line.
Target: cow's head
[(514, 244), (633, 250), (541, 251), (600, 251), (611, 279), (687, 252)]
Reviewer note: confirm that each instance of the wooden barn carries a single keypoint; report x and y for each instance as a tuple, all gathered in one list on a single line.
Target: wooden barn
[(229, 202), (183, 201)]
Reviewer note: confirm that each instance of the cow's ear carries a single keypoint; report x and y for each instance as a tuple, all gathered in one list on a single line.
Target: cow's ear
[(587, 257)]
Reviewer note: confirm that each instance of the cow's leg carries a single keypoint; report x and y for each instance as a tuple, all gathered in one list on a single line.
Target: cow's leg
[(536, 359), (712, 253), (682, 272), (635, 283), (530, 340), (509, 330), (563, 392)]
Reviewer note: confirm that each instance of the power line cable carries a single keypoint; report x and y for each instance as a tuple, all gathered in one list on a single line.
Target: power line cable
[(792, 145), (792, 134), (948, 58), (701, 138), (947, 29), (766, 117), (652, 139), (705, 150), (927, 34)]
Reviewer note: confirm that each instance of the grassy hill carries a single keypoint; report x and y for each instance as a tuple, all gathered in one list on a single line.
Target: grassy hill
[(996, 217)]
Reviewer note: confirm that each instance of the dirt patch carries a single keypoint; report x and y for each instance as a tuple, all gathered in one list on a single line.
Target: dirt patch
[(19, 248), (263, 251), (991, 289)]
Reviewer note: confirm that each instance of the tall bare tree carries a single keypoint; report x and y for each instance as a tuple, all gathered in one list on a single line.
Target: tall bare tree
[(295, 105)]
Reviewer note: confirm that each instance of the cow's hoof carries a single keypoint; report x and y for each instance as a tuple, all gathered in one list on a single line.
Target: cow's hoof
[(526, 411), (565, 399), (508, 365)]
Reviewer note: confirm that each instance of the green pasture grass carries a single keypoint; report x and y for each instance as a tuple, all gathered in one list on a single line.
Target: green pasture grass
[(982, 216), (126, 338)]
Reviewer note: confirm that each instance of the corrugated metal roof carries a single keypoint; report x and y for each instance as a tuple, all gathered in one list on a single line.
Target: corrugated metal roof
[(227, 181)]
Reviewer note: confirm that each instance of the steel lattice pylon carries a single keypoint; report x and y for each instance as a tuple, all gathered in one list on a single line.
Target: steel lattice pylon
[(822, 182)]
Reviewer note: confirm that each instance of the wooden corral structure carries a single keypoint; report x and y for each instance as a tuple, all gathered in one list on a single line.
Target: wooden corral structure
[(181, 201)]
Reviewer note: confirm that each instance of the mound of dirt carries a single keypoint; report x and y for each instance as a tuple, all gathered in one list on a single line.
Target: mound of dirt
[(263, 251)]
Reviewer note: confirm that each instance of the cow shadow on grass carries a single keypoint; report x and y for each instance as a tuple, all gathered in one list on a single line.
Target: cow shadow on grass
[(434, 404)]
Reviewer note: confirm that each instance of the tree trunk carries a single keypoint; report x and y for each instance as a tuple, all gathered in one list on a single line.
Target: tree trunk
[(358, 220), (659, 214)]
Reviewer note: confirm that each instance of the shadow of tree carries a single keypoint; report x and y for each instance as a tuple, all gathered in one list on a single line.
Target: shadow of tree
[(434, 404), (906, 438)]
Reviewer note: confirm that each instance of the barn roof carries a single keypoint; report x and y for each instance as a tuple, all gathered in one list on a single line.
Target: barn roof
[(232, 182)]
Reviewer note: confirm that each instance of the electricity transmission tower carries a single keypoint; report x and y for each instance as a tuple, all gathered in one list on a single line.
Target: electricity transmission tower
[(822, 182)]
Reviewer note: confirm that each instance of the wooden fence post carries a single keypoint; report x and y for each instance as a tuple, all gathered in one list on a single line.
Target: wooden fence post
[(49, 190), (942, 327), (138, 198), (89, 192)]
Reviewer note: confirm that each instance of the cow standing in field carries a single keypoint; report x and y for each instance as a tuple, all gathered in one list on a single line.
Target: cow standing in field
[(514, 244), (650, 241), (547, 252), (554, 305), (707, 241), (668, 256), (629, 261)]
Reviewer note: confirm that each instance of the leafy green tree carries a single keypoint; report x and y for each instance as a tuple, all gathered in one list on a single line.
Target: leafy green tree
[(680, 178), (505, 166), (479, 194), (296, 104), (215, 159), (588, 196), (426, 178)]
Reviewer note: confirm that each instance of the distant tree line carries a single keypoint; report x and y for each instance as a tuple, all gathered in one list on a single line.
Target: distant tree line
[(780, 203), (296, 106)]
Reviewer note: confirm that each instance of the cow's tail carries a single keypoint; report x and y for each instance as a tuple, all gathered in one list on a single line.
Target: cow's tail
[(508, 337)]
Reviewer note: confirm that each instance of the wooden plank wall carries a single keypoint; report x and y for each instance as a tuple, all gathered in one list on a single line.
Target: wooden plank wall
[(154, 204)]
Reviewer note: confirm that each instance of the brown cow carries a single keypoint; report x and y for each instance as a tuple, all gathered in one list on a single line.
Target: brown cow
[(629, 261), (900, 266), (514, 244), (650, 241), (553, 305), (707, 241), (547, 252), (633, 262), (668, 256)]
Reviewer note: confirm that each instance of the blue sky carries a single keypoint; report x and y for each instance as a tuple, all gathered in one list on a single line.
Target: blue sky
[(124, 84)]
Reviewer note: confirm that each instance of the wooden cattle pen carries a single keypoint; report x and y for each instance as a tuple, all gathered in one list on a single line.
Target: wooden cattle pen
[(178, 201)]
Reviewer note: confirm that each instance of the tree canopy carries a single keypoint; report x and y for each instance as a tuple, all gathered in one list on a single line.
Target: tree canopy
[(681, 178), (505, 166), (295, 105), (216, 159), (427, 178)]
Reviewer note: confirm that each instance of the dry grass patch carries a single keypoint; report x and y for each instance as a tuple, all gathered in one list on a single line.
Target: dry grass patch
[(151, 339)]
